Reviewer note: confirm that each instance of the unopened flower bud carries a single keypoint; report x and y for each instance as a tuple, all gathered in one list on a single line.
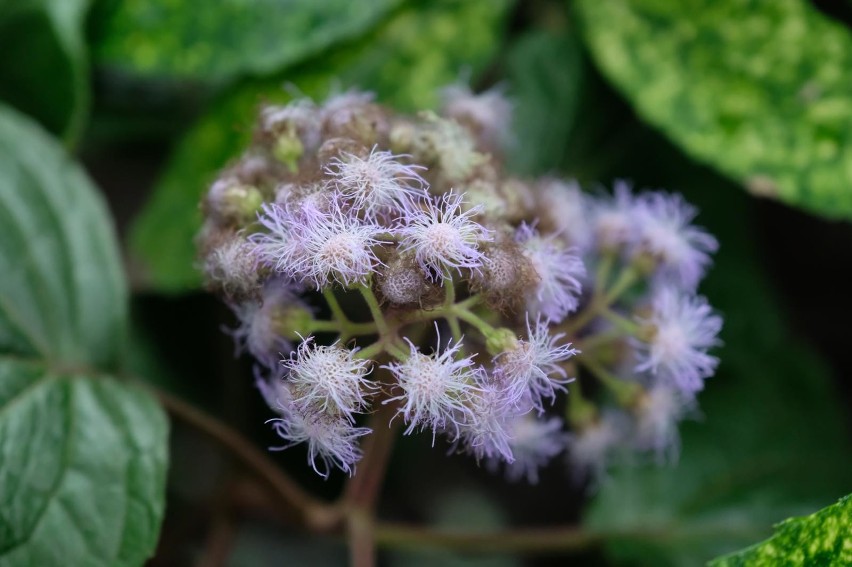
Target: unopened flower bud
[(288, 149), (292, 321), (508, 275), (232, 202), (337, 147), (230, 266), (402, 282), (501, 340)]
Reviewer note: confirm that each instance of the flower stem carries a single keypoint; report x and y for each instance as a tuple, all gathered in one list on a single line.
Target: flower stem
[(601, 301), (372, 350), (311, 512), (473, 319), (533, 540), (334, 305), (362, 490), (621, 322), (580, 411), (604, 270), (375, 309), (625, 392), (598, 340), (629, 276), (449, 302)]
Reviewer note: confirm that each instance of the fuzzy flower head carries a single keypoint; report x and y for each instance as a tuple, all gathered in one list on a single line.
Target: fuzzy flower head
[(530, 369), (614, 219), (488, 114), (534, 443), (567, 210), (485, 434), (684, 329), (442, 235), (328, 379), (559, 271), (332, 440), (261, 330), (231, 267), (658, 413), (376, 183), (322, 247), (436, 389), (592, 448), (665, 231)]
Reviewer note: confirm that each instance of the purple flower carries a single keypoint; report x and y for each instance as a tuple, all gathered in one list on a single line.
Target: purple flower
[(682, 249), (442, 235), (436, 389), (658, 413), (485, 434), (323, 247), (614, 219), (377, 183), (328, 379), (592, 448), (530, 370), (685, 327), (258, 331), (568, 209), (332, 439), (534, 442), (559, 271)]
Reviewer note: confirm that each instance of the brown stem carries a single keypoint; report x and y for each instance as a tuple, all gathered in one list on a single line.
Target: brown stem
[(361, 537), (307, 510), (529, 541), (362, 491), (220, 539)]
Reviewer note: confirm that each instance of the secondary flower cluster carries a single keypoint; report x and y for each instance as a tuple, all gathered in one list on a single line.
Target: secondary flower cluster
[(386, 265)]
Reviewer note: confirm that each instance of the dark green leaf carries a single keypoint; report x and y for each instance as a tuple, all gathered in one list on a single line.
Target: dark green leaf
[(824, 538), (226, 39), (82, 468), (773, 442), (407, 59), (44, 68), (545, 74), (62, 294), (82, 456), (758, 90)]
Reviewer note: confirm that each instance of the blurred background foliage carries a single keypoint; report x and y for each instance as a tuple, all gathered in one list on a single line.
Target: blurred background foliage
[(154, 96)]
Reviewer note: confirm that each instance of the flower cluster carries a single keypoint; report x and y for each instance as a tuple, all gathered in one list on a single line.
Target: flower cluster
[(385, 264)]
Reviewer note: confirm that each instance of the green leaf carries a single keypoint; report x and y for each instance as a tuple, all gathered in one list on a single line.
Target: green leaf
[(758, 90), (82, 455), (44, 68), (545, 74), (62, 295), (824, 538), (82, 468), (404, 62), (227, 39), (772, 441)]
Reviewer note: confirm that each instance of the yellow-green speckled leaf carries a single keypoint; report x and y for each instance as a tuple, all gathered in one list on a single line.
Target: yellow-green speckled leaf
[(404, 62), (760, 90), (824, 539), (216, 41)]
